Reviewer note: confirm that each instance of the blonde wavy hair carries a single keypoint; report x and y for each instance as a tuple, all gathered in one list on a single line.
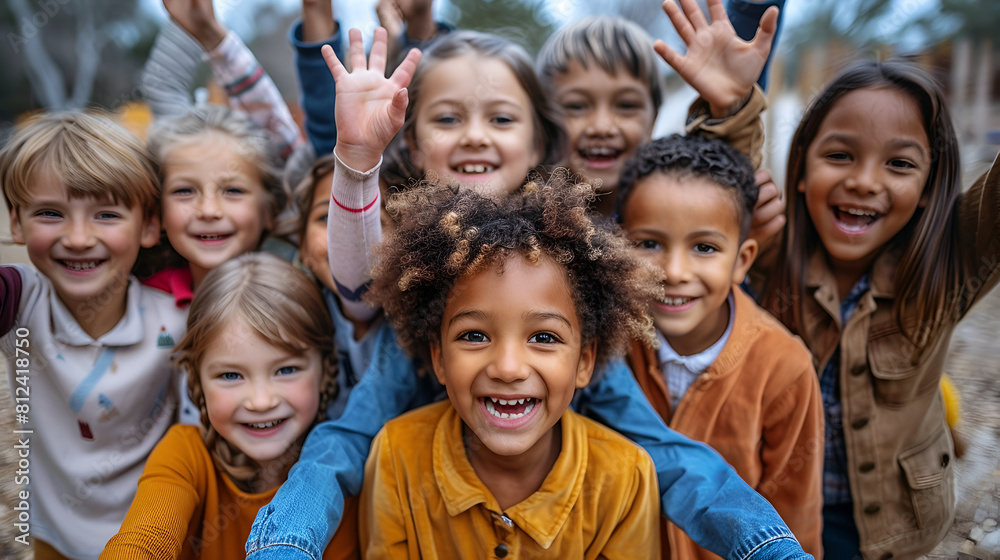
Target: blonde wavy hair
[(278, 302)]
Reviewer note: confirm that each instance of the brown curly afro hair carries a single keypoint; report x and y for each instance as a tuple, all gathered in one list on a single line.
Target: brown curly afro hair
[(446, 232)]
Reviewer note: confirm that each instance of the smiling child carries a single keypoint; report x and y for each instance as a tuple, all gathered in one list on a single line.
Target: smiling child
[(499, 297)]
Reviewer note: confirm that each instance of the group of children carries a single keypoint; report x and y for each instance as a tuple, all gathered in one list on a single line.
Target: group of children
[(507, 323)]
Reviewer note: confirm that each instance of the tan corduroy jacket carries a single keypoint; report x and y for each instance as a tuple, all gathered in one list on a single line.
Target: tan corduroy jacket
[(899, 451)]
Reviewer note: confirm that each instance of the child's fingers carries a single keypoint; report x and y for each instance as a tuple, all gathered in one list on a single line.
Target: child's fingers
[(694, 14), (669, 55), (376, 60), (337, 69), (404, 72), (398, 109), (357, 51), (717, 11), (679, 20), (768, 27)]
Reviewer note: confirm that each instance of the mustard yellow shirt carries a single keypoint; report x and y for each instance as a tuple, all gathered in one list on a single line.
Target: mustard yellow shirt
[(422, 499)]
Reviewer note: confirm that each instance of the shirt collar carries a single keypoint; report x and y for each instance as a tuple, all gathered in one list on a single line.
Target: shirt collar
[(882, 275), (697, 363), (543, 514), (127, 332)]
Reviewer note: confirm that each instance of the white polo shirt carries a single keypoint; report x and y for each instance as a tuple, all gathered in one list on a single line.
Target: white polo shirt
[(97, 409)]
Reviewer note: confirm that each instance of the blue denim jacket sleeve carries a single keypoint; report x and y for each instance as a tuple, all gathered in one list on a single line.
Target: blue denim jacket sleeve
[(319, 91), (305, 513), (699, 491)]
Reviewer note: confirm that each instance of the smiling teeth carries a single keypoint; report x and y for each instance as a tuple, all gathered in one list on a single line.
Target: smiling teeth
[(475, 168), (214, 237), (265, 425), (859, 212), (504, 415), (675, 300), (600, 152), (78, 266)]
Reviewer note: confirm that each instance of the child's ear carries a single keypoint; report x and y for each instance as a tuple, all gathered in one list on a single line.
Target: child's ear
[(745, 258), (150, 236), (585, 368), (437, 363), (16, 233)]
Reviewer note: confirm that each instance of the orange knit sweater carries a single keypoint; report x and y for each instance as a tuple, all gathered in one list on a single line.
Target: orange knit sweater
[(186, 508)]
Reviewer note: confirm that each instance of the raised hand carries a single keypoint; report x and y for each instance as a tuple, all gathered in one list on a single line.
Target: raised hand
[(370, 107), (769, 214), (197, 17), (718, 64)]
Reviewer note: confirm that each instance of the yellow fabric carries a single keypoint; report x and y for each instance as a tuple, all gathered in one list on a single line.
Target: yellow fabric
[(952, 401), (184, 504), (422, 498)]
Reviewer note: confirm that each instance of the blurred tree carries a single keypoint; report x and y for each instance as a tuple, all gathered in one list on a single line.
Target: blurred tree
[(62, 54), (522, 21)]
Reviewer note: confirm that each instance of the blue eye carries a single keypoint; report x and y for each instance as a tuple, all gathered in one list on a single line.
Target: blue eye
[(48, 214), (181, 191), (544, 338), (234, 190), (287, 370), (473, 336), (230, 376), (107, 216), (446, 119)]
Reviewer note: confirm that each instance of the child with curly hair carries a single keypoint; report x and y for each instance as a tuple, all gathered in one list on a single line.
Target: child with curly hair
[(512, 302)]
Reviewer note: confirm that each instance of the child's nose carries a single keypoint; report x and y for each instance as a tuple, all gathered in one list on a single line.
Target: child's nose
[(508, 363), (866, 178), (601, 123), (475, 135), (79, 235), (208, 207), (261, 397), (676, 267)]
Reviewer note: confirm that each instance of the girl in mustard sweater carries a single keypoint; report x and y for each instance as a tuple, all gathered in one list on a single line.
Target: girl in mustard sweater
[(259, 358)]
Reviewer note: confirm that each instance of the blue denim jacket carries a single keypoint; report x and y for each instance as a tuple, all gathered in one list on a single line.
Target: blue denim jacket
[(699, 492)]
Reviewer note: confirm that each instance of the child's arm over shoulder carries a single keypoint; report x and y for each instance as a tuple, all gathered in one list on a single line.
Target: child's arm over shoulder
[(169, 495), (382, 517), (792, 453), (699, 491), (979, 235), (638, 532)]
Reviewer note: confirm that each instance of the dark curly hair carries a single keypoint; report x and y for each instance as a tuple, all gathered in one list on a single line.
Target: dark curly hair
[(681, 156), (445, 233)]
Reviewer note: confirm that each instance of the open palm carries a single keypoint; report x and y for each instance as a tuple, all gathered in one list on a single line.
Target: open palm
[(718, 64), (370, 107)]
